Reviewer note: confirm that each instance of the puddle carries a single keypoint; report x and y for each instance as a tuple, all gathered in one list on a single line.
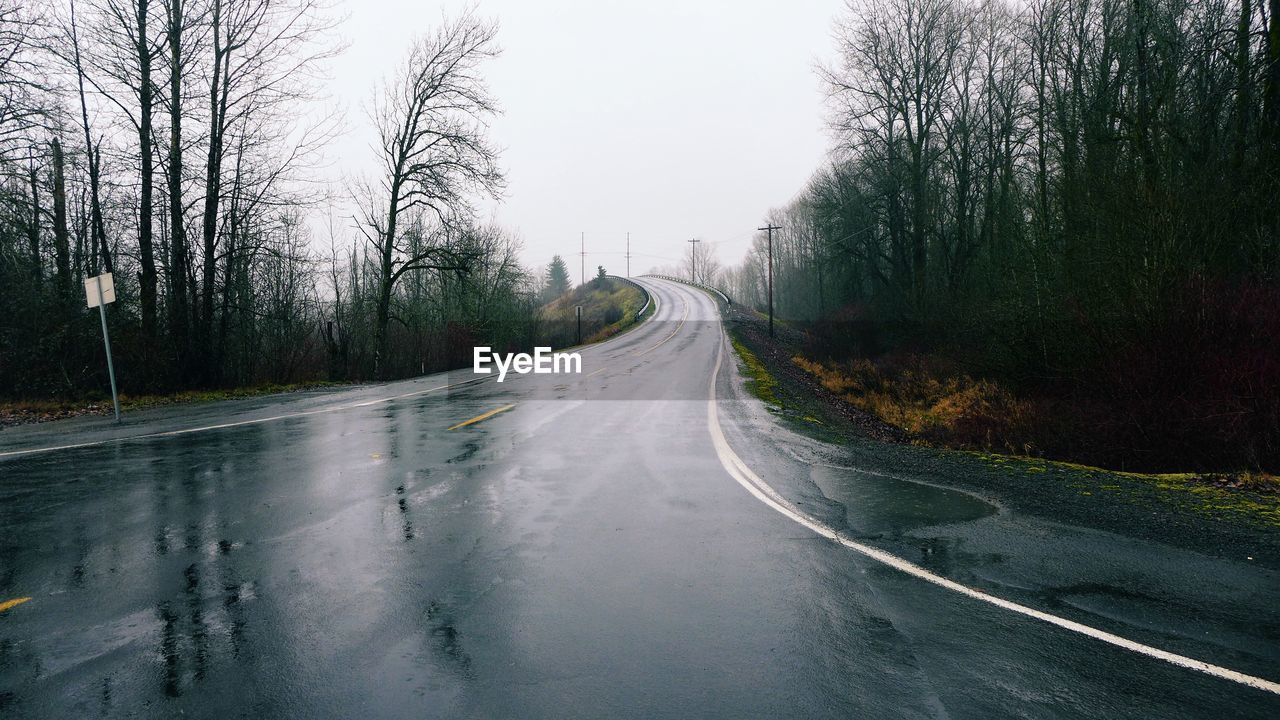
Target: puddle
[(876, 504)]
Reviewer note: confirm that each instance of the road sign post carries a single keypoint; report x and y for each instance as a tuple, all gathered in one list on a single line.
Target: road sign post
[(98, 291)]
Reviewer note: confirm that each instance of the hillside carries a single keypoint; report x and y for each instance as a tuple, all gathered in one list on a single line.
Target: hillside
[(608, 307)]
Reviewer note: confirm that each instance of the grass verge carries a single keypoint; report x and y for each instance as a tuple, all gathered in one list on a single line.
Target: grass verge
[(1249, 498), (21, 412), (759, 382)]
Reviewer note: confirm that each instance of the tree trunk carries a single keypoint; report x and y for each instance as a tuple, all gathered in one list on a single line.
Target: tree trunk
[(146, 252), (213, 175), (919, 214), (97, 229), (95, 210), (61, 237), (33, 229), (384, 285), (1244, 99), (179, 314), (1271, 92)]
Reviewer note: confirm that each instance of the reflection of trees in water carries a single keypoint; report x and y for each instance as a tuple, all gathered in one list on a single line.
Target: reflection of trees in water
[(404, 513), (186, 643), (191, 631), (446, 640), (82, 556), (184, 638)]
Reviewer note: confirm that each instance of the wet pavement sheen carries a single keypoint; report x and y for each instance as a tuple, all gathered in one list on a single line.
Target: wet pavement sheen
[(583, 554)]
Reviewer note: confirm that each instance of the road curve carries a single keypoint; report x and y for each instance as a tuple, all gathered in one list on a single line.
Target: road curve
[(575, 546)]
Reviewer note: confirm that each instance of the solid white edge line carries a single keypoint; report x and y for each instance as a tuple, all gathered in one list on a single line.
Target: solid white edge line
[(238, 423), (767, 495)]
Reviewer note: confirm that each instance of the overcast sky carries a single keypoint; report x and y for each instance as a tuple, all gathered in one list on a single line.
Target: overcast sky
[(669, 119)]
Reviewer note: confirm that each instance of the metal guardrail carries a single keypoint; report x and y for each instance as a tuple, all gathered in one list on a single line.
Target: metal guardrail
[(648, 300), (708, 288)]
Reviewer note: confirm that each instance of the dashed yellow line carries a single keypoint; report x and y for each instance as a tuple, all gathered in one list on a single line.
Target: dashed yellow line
[(11, 603), (483, 416)]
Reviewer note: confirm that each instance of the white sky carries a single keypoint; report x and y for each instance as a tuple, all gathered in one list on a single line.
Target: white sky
[(667, 119)]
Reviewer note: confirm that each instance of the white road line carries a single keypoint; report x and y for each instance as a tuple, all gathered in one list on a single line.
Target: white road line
[(767, 495), (238, 423)]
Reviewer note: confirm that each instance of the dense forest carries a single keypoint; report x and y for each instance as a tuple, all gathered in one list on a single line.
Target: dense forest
[(175, 144), (1074, 198)]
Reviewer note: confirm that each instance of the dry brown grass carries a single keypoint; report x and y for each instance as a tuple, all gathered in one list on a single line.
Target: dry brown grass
[(929, 403)]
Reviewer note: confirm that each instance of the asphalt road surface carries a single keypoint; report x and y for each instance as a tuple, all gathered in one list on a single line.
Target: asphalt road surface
[(638, 540)]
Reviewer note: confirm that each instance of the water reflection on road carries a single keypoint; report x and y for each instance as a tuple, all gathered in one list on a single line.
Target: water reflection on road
[(877, 504)]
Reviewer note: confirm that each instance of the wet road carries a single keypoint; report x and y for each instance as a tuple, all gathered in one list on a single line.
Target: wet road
[(595, 549)]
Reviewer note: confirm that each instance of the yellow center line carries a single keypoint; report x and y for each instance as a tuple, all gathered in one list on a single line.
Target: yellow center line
[(484, 416), (597, 372), (11, 603)]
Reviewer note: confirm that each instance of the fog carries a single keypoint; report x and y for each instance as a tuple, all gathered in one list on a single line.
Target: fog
[(668, 120)]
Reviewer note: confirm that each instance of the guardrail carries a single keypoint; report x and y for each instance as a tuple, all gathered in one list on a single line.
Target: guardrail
[(647, 299), (708, 288)]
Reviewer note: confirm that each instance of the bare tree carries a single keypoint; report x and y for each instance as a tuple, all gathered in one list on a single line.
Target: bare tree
[(23, 91), (434, 151), (179, 266), (97, 226), (124, 48), (261, 61), (892, 90), (702, 257)]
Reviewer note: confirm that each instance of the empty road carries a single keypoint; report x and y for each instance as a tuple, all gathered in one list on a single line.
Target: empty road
[(640, 540)]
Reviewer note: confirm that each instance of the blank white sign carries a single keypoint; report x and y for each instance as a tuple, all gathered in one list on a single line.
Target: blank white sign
[(91, 290)]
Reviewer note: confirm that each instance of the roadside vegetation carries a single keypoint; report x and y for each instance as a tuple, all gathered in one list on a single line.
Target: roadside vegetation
[(1048, 228), (1172, 505), (759, 382), (235, 270), (609, 306), (21, 412)]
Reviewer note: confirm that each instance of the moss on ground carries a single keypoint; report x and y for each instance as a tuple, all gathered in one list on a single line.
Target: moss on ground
[(1258, 505), (759, 382)]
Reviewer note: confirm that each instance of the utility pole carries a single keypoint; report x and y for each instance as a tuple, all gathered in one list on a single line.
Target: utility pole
[(582, 273), (693, 256), (769, 229), (628, 254)]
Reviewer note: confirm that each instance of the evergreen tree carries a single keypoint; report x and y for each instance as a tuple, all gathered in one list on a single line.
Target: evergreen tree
[(557, 279)]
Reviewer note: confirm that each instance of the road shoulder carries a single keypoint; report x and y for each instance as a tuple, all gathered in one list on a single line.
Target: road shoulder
[(1172, 510)]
